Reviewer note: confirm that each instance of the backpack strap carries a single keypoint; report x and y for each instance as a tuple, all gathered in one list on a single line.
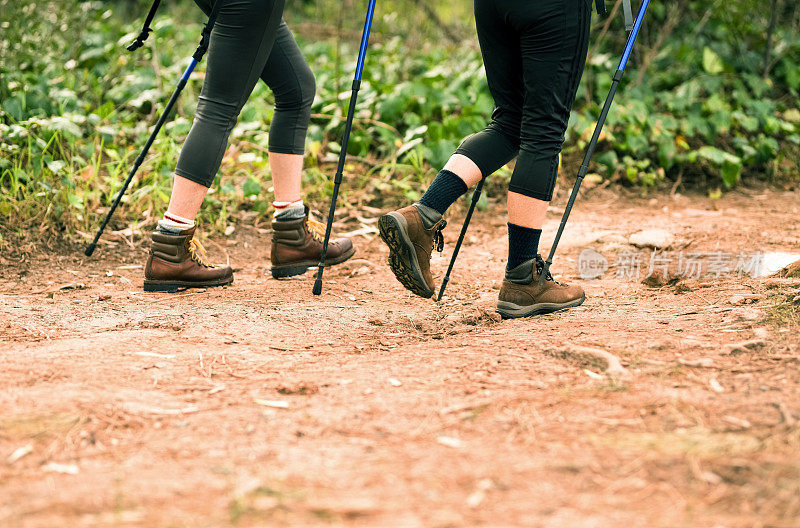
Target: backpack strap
[(139, 42), (600, 7)]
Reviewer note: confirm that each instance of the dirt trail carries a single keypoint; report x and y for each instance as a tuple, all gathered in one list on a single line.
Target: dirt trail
[(260, 405)]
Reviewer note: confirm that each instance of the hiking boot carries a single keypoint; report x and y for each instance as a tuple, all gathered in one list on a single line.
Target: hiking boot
[(521, 295), (297, 246), (411, 234), (177, 261)]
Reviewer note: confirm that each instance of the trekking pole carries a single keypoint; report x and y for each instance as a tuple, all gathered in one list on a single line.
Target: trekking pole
[(595, 136), (337, 180), (475, 197), (196, 58)]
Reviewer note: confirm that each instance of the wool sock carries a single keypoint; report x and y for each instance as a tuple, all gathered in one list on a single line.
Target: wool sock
[(446, 188), (174, 224), (523, 244), (289, 210)]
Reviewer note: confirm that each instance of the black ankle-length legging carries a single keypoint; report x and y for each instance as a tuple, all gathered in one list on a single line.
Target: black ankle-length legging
[(534, 52), (249, 41)]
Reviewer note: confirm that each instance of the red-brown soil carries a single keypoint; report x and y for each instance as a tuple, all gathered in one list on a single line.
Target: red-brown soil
[(121, 408)]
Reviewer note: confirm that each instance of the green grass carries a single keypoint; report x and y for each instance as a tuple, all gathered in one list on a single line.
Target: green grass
[(785, 310), (75, 108)]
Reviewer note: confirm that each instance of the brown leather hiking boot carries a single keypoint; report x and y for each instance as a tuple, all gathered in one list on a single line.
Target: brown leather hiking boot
[(178, 261), (297, 246), (410, 245), (521, 295)]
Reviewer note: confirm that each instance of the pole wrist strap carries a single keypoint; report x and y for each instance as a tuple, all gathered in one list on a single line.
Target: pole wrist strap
[(626, 8), (600, 7), (205, 35), (139, 41), (205, 38)]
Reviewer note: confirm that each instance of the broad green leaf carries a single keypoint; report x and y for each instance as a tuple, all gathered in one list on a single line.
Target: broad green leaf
[(251, 187), (712, 63)]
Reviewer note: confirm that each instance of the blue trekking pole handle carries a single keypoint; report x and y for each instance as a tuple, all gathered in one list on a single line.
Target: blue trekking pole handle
[(595, 136), (632, 37), (362, 53), (337, 179)]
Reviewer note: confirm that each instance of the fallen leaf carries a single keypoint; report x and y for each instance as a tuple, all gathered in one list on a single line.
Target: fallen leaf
[(67, 469), (73, 286), (19, 453), (449, 441), (593, 375), (278, 404), (302, 389), (702, 362), (155, 355)]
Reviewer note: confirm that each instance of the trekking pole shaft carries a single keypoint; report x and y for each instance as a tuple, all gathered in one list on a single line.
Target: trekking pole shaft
[(140, 159), (475, 197), (337, 180), (595, 137)]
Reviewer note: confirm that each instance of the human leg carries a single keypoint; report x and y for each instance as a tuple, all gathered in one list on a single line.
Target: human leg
[(292, 83), (553, 40), (296, 239), (481, 154), (240, 43), (412, 232)]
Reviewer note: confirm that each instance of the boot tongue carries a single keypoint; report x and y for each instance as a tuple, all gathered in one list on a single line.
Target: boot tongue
[(430, 216), (522, 274)]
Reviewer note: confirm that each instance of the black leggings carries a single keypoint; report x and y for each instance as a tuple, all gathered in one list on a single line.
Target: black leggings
[(534, 52), (250, 41)]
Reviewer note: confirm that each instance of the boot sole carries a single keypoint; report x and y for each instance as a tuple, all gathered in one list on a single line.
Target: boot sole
[(402, 256), (152, 285), (299, 268), (510, 310)]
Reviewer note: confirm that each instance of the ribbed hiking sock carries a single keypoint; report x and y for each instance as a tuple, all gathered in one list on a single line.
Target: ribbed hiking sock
[(289, 210), (523, 244), (174, 224), (446, 188)]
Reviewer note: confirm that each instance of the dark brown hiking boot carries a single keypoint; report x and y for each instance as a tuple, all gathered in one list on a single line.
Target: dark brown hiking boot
[(297, 246), (177, 261), (521, 295), (411, 234)]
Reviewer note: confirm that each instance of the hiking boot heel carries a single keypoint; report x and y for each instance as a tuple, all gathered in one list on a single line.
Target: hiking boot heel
[(285, 272)]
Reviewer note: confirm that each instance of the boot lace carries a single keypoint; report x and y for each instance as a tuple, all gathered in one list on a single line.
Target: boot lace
[(540, 268), (198, 253), (438, 237), (316, 229)]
